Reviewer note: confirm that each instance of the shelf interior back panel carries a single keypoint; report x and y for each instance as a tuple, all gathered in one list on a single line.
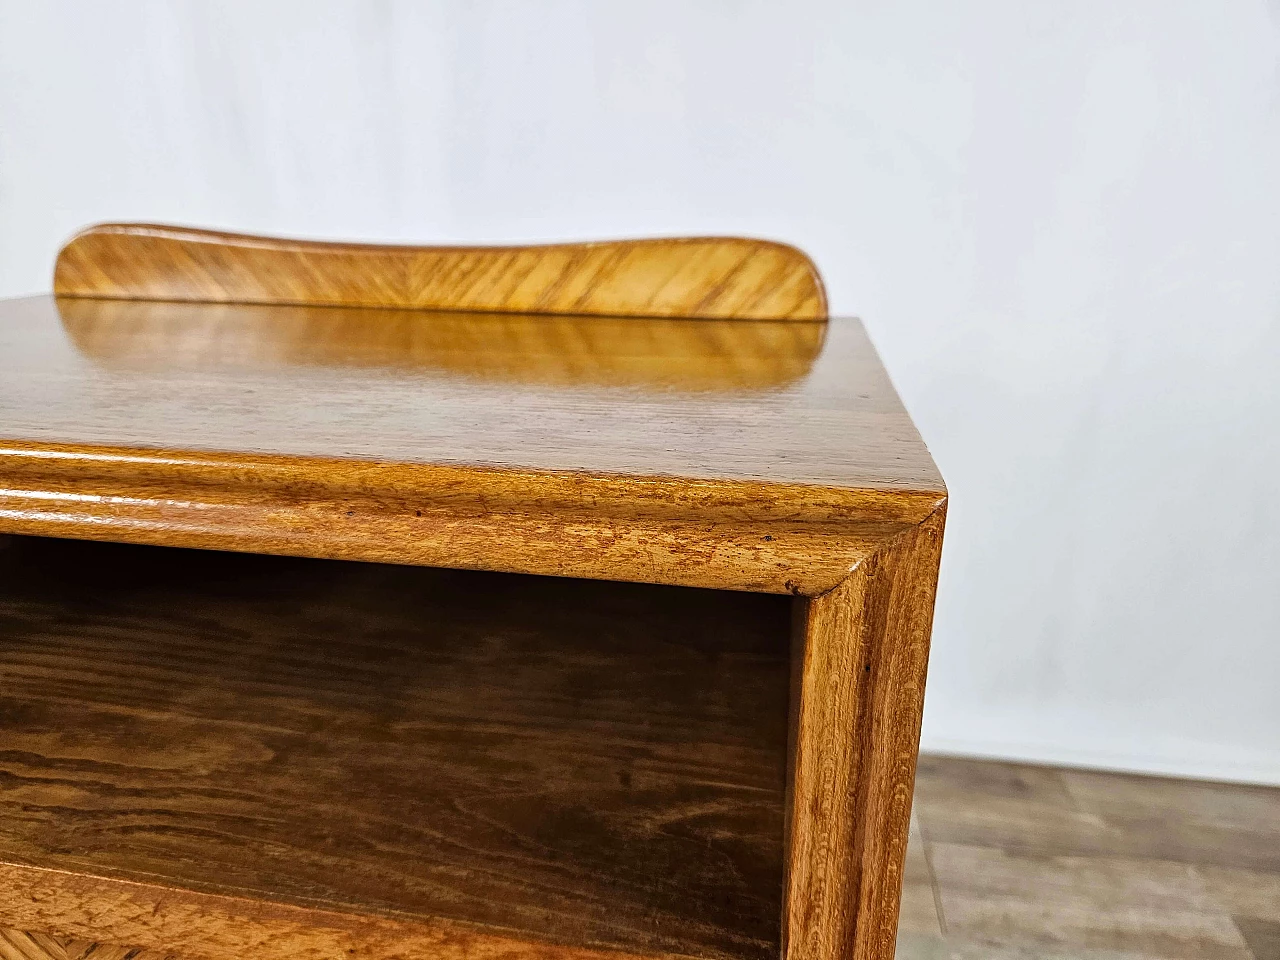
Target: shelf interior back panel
[(572, 761)]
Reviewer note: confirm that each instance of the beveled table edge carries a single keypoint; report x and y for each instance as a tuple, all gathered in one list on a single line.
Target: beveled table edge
[(753, 535)]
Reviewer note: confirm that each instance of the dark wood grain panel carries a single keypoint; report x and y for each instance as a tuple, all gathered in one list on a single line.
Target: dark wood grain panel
[(668, 277), (581, 763)]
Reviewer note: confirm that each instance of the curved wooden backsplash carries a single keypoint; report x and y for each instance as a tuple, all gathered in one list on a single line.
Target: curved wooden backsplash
[(726, 277)]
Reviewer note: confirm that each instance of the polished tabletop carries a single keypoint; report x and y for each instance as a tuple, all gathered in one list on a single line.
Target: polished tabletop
[(769, 455), (790, 402)]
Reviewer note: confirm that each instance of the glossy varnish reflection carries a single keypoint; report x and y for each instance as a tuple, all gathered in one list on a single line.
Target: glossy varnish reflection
[(653, 355), (755, 451), (668, 451)]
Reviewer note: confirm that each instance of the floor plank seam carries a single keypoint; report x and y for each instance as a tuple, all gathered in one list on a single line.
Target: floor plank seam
[(926, 846)]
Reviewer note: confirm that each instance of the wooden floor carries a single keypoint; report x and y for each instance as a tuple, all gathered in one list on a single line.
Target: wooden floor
[(1012, 862)]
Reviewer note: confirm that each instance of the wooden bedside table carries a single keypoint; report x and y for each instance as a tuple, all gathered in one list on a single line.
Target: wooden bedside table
[(263, 749)]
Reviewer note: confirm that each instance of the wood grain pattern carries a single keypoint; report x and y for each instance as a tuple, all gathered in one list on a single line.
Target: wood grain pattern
[(722, 535), (21, 945), (573, 762), (863, 652), (214, 927), (1042, 861), (347, 771), (692, 277), (33, 945), (158, 442), (835, 421), (741, 357)]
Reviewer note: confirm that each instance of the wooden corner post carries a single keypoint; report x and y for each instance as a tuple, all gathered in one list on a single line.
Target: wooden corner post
[(861, 651)]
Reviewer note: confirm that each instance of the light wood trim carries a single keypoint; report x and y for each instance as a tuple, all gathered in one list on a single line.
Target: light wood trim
[(23, 945), (35, 945), (862, 652), (768, 538), (680, 277), (203, 926)]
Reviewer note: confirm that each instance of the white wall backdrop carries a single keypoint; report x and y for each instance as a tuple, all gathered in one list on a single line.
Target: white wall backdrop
[(1061, 222)]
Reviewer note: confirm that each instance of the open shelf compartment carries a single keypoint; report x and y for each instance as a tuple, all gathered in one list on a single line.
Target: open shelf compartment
[(568, 762)]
